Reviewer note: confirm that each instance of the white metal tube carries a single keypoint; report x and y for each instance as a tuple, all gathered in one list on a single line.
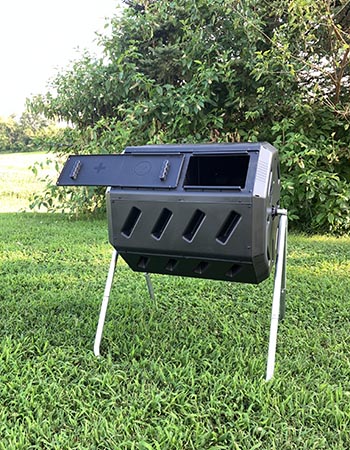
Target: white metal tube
[(277, 294), (104, 304)]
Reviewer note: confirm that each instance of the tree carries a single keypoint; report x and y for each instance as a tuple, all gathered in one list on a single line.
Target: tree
[(28, 133), (12, 136), (224, 70), (313, 131)]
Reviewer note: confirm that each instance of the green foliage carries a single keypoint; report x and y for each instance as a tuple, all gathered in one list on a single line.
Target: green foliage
[(316, 176), (223, 71), (12, 136), (184, 372), (29, 134)]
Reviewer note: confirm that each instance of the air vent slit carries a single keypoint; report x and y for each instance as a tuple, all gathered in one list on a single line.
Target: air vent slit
[(194, 225), (228, 227), (161, 223), (131, 221), (143, 262), (232, 271), (201, 267), (171, 264)]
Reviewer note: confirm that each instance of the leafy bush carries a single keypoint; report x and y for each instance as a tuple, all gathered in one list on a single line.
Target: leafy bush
[(223, 71), (316, 188)]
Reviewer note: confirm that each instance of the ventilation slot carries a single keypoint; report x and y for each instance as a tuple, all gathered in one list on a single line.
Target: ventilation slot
[(232, 271), (131, 221), (172, 263), (161, 223), (201, 268), (143, 262), (194, 225), (228, 227)]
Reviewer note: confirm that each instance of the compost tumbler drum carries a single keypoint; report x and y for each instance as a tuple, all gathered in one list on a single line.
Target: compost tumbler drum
[(206, 211)]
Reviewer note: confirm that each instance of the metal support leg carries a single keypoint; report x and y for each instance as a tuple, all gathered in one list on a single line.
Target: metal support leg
[(104, 304), (149, 285), (279, 293), (284, 273)]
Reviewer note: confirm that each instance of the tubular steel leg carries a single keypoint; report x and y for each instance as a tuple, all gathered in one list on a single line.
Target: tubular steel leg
[(279, 292), (102, 317), (149, 285), (284, 275)]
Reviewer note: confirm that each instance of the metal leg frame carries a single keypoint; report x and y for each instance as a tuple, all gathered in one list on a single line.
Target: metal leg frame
[(108, 287), (149, 285), (279, 293), (102, 317), (278, 302)]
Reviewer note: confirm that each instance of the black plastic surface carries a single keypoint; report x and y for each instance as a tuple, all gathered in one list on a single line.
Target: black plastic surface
[(142, 170), (202, 211)]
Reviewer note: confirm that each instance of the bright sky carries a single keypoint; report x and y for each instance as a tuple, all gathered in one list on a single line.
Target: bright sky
[(37, 37)]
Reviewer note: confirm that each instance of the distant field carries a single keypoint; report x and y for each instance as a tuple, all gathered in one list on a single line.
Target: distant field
[(18, 182)]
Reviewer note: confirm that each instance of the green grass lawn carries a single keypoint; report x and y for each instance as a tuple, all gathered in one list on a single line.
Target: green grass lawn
[(183, 372)]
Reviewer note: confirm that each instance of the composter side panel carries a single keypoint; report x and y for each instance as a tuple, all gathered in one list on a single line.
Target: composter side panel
[(266, 198)]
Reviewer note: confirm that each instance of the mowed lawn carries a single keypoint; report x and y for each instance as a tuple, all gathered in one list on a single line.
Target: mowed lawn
[(185, 371)]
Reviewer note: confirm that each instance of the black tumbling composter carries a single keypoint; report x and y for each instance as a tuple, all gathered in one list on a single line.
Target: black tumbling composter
[(206, 211)]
